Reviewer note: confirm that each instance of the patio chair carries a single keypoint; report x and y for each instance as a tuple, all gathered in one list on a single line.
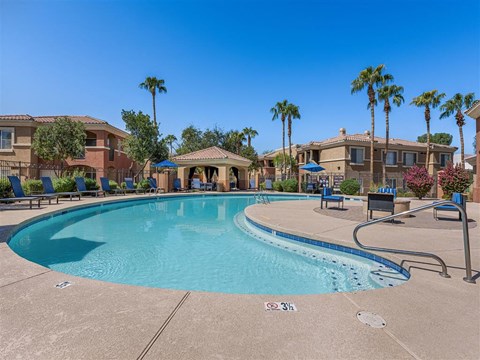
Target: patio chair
[(252, 185), (196, 184), (456, 197), (30, 199), (18, 191), (177, 185), (48, 189), (105, 182), (130, 187), (388, 190), (310, 188), (154, 187), (328, 197), (82, 188), (268, 185)]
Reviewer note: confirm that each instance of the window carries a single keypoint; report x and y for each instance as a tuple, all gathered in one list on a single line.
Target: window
[(444, 159), (392, 183), (91, 142), (391, 158), (409, 158), (356, 155), (6, 137)]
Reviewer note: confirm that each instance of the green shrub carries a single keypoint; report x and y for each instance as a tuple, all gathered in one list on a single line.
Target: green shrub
[(113, 184), (350, 187), (5, 188), (63, 184), (404, 193), (32, 186), (262, 186), (290, 185), (91, 184), (123, 185), (143, 184), (277, 186)]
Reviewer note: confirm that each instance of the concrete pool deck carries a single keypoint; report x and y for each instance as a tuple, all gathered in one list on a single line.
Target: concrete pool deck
[(429, 317)]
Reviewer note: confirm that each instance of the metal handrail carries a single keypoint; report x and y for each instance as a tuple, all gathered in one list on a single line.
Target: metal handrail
[(260, 196), (466, 240)]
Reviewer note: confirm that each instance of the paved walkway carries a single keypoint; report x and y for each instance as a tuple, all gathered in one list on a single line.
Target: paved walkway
[(429, 317)]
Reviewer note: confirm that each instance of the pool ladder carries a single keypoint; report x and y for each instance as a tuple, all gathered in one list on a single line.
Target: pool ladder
[(466, 241), (261, 198)]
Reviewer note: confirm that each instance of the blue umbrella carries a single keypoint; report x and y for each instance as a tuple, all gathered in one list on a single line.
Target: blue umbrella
[(165, 164), (312, 167)]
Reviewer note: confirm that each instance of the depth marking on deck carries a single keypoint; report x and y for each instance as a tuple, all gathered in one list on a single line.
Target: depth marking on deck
[(279, 306)]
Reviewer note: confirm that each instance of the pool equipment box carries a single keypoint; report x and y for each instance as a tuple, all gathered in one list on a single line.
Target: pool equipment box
[(280, 306)]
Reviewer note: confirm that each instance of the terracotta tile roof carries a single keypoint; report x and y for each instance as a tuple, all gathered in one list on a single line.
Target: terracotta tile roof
[(16, 117), (366, 139), (83, 118), (211, 153)]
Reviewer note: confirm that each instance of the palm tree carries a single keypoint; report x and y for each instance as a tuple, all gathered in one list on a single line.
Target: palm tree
[(371, 78), (170, 139), (428, 99), (279, 110), (384, 94), (292, 112), (250, 134), (457, 104), (237, 138), (152, 84)]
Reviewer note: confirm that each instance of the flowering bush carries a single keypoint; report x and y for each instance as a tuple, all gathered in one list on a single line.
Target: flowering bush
[(418, 180), (453, 179)]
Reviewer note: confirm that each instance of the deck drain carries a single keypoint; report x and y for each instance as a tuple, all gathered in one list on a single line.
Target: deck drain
[(63, 285), (371, 319)]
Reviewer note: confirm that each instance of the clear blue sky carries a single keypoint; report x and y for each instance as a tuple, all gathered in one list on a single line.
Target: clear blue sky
[(227, 63)]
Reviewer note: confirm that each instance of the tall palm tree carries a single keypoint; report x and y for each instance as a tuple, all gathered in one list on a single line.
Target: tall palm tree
[(428, 99), (371, 78), (457, 104), (238, 137), (152, 84), (250, 133), (170, 139), (384, 94), (292, 112), (279, 110)]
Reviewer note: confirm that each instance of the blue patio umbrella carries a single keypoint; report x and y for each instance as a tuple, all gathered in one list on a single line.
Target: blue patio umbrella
[(165, 164), (312, 167)]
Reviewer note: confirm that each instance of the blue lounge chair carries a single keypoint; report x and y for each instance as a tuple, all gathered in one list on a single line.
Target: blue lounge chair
[(18, 191), (383, 190), (177, 185), (456, 197), (252, 185), (105, 182), (328, 197), (310, 188), (30, 199), (82, 188), (196, 184), (130, 187), (268, 184), (48, 189), (154, 187)]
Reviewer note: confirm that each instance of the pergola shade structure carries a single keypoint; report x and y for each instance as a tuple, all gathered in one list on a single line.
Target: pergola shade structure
[(216, 163)]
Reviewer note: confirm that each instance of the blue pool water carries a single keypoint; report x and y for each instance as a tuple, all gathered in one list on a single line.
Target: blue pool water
[(191, 243)]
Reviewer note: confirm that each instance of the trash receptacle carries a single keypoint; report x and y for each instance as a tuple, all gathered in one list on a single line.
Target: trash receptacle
[(219, 187)]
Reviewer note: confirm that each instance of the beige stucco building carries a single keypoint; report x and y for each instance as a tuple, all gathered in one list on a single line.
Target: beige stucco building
[(474, 113)]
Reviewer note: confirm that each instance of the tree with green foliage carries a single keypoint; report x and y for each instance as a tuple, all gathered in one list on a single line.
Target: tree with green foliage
[(236, 138), (371, 78), (250, 133), (191, 140), (59, 141), (249, 153), (169, 140), (384, 94), (142, 145), (437, 138), (428, 99), (280, 111), (152, 84), (292, 112), (456, 105)]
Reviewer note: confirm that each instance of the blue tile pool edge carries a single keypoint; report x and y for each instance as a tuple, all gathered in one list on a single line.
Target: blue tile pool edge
[(331, 246)]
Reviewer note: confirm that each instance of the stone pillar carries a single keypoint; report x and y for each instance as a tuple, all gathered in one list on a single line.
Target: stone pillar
[(223, 177)]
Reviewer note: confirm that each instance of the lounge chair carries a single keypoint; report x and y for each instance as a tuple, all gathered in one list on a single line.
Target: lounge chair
[(82, 188), (18, 191), (130, 187), (328, 197), (177, 185), (196, 184), (252, 185), (105, 182), (49, 190), (388, 191), (30, 199), (154, 187), (456, 197), (268, 185)]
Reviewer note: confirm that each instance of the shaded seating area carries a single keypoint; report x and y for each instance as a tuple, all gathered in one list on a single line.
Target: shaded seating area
[(130, 187), (82, 188), (49, 189), (18, 191), (457, 198), (107, 189), (328, 197)]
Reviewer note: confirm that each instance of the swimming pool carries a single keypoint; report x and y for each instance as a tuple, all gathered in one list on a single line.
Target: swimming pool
[(191, 243)]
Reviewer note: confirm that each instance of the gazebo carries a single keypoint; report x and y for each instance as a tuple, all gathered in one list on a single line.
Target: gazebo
[(216, 163)]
